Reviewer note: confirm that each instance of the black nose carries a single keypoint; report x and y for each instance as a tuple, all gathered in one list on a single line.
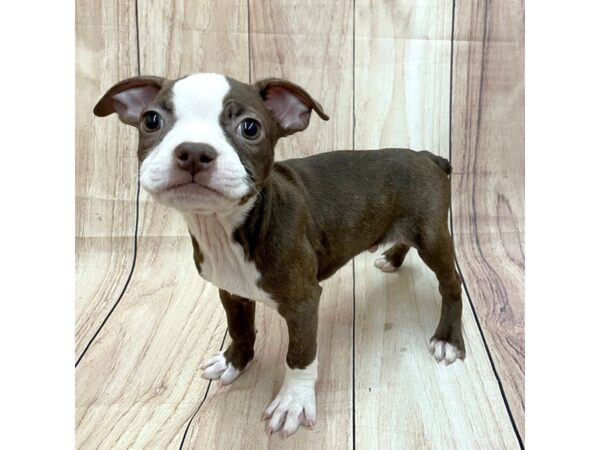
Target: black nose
[(195, 157)]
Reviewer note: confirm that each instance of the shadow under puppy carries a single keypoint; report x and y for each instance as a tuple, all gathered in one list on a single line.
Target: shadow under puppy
[(270, 232)]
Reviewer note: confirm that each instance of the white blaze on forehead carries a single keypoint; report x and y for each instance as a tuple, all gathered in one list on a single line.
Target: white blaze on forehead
[(200, 97), (198, 103)]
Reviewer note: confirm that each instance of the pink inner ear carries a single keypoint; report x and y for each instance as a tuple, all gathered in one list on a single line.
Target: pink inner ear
[(291, 113), (129, 104)]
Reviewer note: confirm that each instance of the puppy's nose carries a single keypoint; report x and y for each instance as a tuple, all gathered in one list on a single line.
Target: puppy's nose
[(194, 157)]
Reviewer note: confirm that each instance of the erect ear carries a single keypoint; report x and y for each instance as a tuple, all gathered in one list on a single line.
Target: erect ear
[(129, 98), (290, 104)]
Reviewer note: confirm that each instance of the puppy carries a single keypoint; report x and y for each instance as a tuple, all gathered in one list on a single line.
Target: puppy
[(270, 232)]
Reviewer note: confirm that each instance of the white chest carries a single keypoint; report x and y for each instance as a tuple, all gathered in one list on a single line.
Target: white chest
[(223, 262)]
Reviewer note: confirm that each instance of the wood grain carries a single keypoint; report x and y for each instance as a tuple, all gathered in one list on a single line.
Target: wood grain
[(281, 45), (105, 166), (488, 183), (403, 399)]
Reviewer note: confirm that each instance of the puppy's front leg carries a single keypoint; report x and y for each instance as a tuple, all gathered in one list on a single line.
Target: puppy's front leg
[(228, 365), (295, 404)]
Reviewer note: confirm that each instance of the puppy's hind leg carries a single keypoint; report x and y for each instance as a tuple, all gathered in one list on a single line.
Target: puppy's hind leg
[(392, 258), (438, 253)]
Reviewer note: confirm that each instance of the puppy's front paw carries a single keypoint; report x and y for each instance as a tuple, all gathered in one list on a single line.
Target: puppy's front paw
[(217, 367), (293, 406), (445, 351)]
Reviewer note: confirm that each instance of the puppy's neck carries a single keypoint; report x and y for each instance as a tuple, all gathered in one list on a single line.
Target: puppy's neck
[(204, 226), (246, 225)]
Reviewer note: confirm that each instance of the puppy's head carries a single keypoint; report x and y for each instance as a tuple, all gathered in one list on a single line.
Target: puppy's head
[(206, 141)]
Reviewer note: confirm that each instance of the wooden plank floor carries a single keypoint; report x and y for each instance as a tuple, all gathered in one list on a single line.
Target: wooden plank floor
[(389, 74)]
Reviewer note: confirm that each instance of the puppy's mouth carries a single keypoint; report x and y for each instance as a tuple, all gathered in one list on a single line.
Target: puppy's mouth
[(194, 188)]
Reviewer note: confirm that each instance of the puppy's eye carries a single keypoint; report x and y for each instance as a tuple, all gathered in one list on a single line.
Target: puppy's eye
[(249, 129), (151, 121)]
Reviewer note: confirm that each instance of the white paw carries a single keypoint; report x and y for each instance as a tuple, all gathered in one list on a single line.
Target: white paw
[(217, 367), (384, 265), (295, 404), (444, 351)]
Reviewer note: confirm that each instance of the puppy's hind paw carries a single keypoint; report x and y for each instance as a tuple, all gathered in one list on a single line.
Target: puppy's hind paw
[(384, 265), (445, 351)]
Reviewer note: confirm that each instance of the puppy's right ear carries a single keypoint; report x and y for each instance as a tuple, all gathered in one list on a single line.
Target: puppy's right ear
[(129, 98)]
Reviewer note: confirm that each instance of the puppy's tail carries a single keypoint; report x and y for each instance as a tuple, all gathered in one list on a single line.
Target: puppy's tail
[(443, 163)]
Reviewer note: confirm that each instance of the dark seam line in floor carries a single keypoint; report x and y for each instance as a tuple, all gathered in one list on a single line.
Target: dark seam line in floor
[(203, 399), (137, 217), (468, 295), (491, 359), (137, 38), (353, 259), (353, 354)]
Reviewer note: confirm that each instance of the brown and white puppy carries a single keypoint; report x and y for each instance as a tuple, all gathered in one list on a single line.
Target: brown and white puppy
[(270, 232)]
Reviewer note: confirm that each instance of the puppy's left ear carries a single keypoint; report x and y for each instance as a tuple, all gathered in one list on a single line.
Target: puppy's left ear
[(290, 104), (129, 98)]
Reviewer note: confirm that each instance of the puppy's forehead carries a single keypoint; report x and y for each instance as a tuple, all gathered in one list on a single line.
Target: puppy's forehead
[(200, 96)]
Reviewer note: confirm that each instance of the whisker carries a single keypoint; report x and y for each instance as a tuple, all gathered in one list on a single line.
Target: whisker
[(249, 180)]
